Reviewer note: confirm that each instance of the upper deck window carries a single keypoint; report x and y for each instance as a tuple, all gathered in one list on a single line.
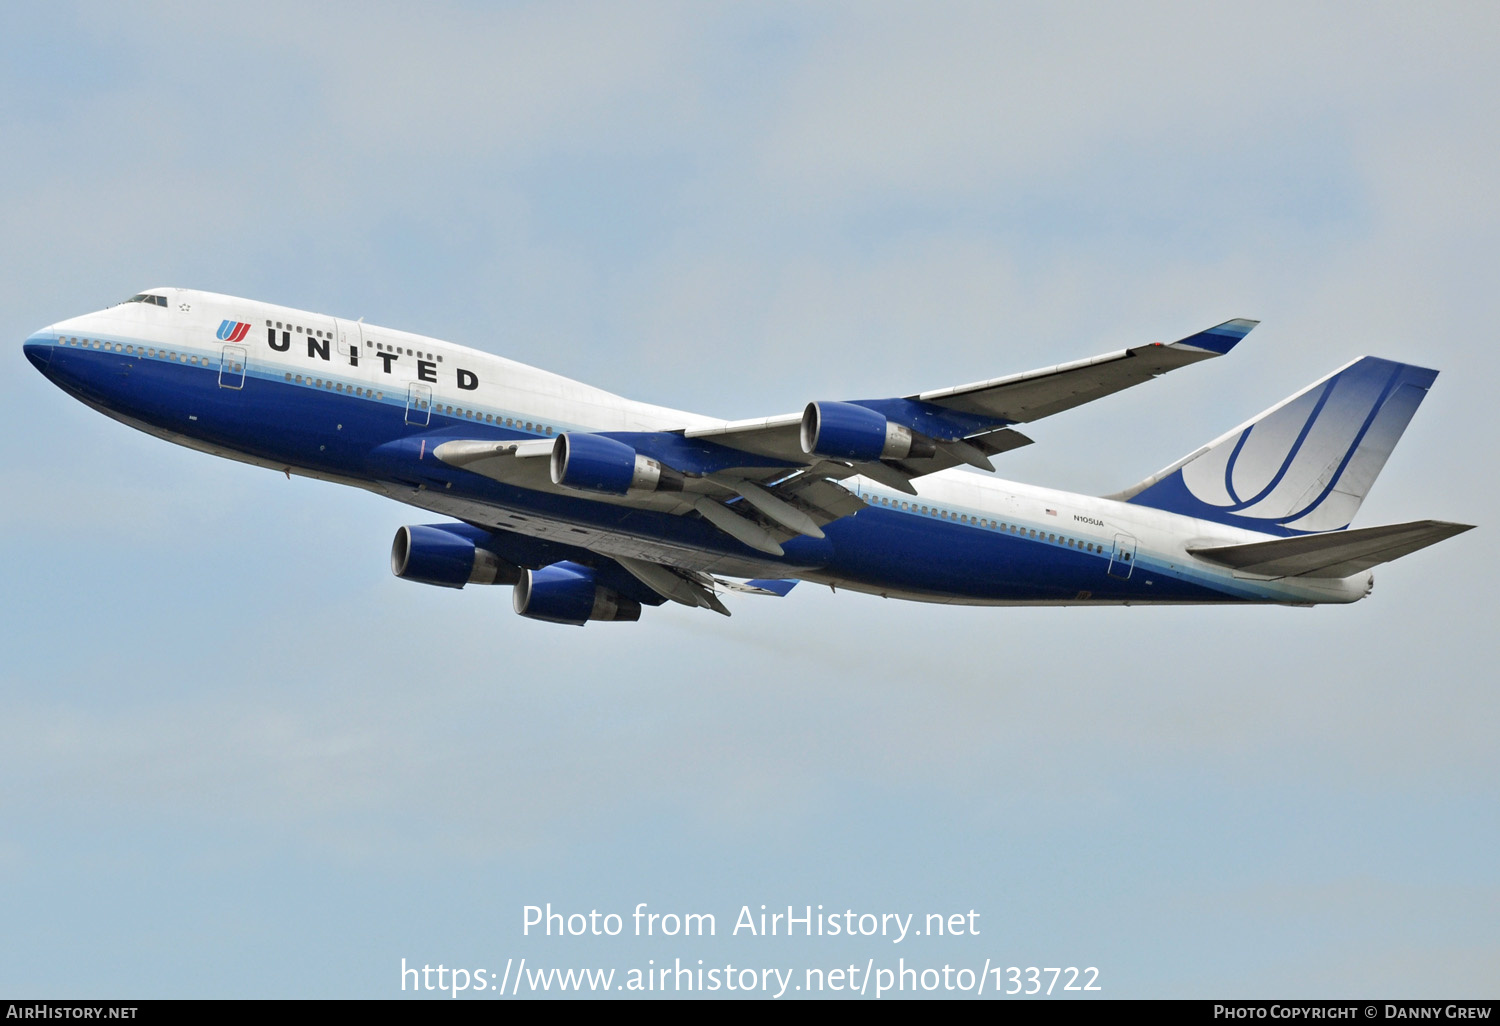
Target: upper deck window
[(145, 297)]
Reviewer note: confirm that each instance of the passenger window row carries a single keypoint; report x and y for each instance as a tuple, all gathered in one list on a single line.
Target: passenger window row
[(1082, 545), (324, 383), (452, 411), (490, 418), (132, 350), (384, 348), (299, 329), (334, 386)]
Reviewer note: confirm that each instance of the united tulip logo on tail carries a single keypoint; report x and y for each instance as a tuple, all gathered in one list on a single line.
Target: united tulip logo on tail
[(233, 331)]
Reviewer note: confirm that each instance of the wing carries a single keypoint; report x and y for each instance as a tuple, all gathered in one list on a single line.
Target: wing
[(971, 422), (1021, 398), (499, 554), (763, 482)]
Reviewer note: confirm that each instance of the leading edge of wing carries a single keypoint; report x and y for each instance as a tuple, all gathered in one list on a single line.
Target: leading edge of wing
[(1031, 395), (981, 412), (1012, 399)]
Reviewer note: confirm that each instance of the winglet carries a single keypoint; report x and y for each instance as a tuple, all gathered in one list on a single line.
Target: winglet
[(1221, 338), (779, 588)]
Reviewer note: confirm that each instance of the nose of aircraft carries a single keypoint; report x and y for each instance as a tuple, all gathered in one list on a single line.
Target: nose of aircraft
[(38, 349)]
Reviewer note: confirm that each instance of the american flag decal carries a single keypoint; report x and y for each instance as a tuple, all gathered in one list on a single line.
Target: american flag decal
[(1052, 512)]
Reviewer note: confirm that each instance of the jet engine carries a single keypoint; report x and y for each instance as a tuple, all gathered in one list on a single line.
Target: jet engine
[(566, 593), (844, 431), (439, 554), (594, 463)]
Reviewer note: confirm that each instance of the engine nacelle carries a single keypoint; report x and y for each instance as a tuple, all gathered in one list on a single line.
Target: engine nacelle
[(439, 554), (566, 593), (844, 431), (593, 463)]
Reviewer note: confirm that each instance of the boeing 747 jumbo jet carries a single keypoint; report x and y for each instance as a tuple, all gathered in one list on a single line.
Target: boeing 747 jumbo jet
[(592, 506)]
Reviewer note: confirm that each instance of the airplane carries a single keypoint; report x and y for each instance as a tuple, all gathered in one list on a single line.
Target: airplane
[(592, 506)]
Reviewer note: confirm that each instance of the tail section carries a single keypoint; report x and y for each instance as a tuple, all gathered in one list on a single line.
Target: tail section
[(1304, 465)]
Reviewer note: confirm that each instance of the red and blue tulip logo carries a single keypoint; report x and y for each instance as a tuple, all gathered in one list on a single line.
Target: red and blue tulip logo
[(233, 331)]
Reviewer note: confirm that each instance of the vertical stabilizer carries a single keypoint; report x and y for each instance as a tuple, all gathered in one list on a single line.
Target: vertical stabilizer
[(1304, 465)]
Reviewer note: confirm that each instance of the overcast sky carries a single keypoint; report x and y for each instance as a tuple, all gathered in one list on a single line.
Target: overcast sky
[(237, 757)]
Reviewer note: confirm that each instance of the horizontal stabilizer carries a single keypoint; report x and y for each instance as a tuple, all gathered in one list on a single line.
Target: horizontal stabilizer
[(1336, 554)]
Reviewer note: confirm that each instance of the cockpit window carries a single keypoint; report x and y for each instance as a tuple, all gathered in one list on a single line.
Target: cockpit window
[(147, 298)]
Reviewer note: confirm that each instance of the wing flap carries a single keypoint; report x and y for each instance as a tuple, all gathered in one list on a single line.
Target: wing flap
[(778, 509), (1333, 555), (676, 585), (828, 500), (742, 529)]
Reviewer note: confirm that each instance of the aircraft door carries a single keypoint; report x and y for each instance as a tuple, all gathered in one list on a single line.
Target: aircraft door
[(418, 403), (1122, 559), (349, 339), (232, 367)]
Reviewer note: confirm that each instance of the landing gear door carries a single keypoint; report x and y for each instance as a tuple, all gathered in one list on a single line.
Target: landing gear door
[(1122, 559)]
